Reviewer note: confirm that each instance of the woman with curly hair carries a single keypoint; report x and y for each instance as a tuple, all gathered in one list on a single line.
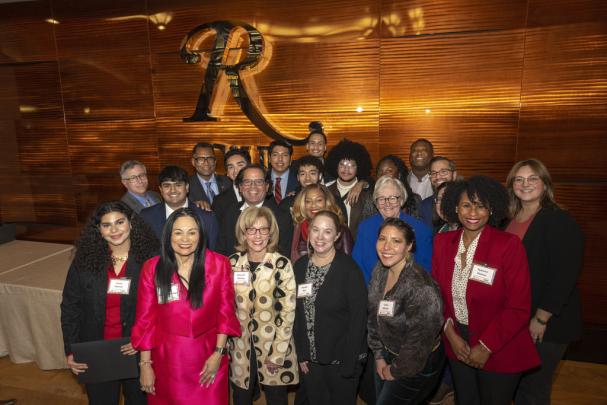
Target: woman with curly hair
[(395, 167), (484, 281), (312, 199), (349, 162), (555, 247), (97, 304)]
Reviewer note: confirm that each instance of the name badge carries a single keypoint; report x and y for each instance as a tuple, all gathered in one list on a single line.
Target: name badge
[(385, 308), (119, 286), (242, 278), (482, 274), (173, 294), (304, 290)]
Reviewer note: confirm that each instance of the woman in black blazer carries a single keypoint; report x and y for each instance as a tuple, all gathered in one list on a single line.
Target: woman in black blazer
[(330, 317), (555, 247), (97, 304)]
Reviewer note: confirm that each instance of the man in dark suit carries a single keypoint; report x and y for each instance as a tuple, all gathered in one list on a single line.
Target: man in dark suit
[(173, 181), (253, 184), (134, 177), (234, 161), (205, 184), (442, 170), (284, 180)]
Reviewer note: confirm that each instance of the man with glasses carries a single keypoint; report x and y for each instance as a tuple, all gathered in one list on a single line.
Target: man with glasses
[(173, 181), (253, 184), (442, 170), (205, 184), (133, 175)]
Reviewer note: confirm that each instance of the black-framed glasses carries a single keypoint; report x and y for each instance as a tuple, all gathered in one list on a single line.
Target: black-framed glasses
[(204, 159), (393, 199), (255, 182), (133, 179), (441, 172), (265, 230)]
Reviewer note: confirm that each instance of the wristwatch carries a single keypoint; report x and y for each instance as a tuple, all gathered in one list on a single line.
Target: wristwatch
[(221, 350)]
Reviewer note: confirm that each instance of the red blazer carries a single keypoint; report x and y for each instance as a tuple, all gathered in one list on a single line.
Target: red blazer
[(498, 314)]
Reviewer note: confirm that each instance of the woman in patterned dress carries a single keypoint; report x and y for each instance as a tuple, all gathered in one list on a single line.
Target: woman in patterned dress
[(265, 304)]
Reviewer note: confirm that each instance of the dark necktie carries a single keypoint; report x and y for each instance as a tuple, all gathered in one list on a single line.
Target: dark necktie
[(277, 191)]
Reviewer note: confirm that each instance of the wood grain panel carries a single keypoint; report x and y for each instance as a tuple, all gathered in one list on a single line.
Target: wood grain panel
[(25, 36), (462, 92), (564, 100), (405, 17), (92, 189), (565, 12)]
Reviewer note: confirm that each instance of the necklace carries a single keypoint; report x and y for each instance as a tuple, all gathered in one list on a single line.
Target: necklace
[(118, 259)]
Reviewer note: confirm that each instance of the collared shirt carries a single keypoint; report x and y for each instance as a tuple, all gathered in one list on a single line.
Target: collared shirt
[(237, 192), (212, 183), (246, 205), (145, 200), (459, 284), (170, 210), (284, 179), (423, 188)]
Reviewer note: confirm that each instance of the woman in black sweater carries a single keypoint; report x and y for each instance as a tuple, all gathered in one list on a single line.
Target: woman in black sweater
[(98, 301), (330, 317)]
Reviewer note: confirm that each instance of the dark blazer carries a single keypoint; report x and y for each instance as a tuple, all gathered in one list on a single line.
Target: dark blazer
[(555, 248), (341, 316), (292, 183), (498, 314), (227, 233), (84, 299), (222, 202), (360, 211), (426, 211), (197, 191), (134, 203), (156, 218)]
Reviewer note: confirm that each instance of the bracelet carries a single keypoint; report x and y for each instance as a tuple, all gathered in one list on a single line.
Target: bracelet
[(144, 362), (221, 350), (541, 321)]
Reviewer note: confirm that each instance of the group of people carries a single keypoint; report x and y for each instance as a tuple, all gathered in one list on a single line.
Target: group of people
[(313, 274)]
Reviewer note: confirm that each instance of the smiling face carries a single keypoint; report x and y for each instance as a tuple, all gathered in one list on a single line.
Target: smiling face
[(346, 170), (234, 164), (392, 247), (257, 242), (387, 168), (314, 201), (420, 156), (440, 172), (174, 193), (185, 236), (473, 215), (316, 145), (322, 235), (204, 162), (386, 208), (528, 186), (253, 187), (280, 159), (308, 174), (135, 180), (115, 228)]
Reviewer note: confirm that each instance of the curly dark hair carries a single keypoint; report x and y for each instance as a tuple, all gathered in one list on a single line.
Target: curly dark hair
[(349, 150), (481, 189), (92, 251)]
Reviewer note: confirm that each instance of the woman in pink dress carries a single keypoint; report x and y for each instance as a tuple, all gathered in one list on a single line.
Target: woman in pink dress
[(185, 312)]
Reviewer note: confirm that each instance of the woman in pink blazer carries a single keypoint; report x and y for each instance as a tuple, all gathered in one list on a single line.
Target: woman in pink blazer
[(484, 280), (185, 312)]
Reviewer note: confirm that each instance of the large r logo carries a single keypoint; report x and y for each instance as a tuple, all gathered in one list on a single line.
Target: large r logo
[(226, 64)]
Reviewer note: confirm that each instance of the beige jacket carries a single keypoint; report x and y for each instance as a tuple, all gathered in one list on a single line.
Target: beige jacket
[(271, 284)]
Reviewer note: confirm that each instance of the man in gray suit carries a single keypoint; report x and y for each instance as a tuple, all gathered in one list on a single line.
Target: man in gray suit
[(134, 177)]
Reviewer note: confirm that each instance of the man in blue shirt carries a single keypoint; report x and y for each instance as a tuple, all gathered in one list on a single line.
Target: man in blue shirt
[(134, 177)]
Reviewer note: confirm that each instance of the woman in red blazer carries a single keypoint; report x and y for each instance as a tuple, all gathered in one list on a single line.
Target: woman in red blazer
[(484, 280)]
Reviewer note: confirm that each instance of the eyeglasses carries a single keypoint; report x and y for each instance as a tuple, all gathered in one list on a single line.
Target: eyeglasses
[(262, 231), (532, 180), (442, 172), (204, 159), (256, 182), (393, 199), (134, 179)]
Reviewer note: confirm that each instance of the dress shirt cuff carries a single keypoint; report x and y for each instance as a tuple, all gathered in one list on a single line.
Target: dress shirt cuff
[(447, 322)]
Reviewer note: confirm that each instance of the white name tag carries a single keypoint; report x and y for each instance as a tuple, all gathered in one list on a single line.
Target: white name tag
[(242, 278), (173, 295), (304, 290), (482, 274), (385, 308), (119, 286)]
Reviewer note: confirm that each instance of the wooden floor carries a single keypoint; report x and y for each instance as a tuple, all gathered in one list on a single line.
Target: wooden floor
[(576, 384)]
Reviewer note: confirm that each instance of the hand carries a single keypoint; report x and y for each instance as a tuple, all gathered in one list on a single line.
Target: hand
[(380, 366), (147, 378), (209, 371), (272, 367), (460, 347), (76, 368), (478, 356), (537, 330), (355, 192), (203, 205), (388, 374), (128, 350), (304, 367)]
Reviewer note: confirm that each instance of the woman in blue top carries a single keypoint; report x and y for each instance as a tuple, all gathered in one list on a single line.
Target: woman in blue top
[(389, 197)]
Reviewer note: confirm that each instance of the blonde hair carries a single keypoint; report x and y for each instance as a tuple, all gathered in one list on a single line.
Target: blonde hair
[(547, 199), (386, 180), (246, 220), (299, 205)]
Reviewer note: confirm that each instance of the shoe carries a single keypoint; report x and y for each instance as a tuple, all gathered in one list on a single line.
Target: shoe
[(443, 392)]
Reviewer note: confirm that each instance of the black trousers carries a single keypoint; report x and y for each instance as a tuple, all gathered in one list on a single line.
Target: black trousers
[(535, 387), (411, 390), (325, 386), (275, 394), (108, 393)]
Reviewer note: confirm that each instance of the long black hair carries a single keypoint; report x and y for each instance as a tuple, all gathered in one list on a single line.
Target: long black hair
[(167, 265), (92, 251)]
